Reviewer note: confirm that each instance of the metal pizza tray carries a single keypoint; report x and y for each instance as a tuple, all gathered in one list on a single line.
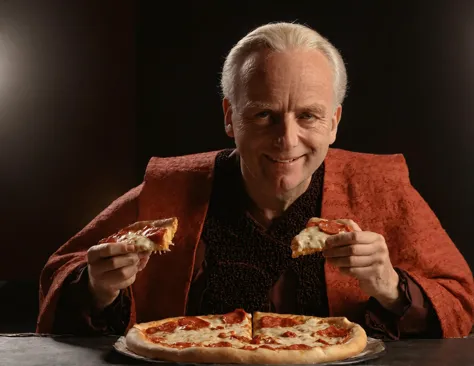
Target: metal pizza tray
[(375, 349)]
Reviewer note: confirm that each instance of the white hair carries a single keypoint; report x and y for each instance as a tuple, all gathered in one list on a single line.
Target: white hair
[(281, 37)]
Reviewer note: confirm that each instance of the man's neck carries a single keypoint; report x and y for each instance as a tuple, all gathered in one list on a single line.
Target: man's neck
[(264, 207)]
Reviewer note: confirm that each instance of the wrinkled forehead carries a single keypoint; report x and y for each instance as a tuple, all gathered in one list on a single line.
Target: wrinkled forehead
[(298, 75)]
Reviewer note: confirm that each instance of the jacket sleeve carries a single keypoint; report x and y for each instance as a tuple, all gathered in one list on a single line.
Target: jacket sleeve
[(59, 270), (429, 257)]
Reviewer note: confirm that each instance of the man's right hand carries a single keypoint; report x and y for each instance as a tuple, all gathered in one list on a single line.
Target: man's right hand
[(112, 267)]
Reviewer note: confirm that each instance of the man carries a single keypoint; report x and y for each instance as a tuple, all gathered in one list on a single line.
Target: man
[(398, 274)]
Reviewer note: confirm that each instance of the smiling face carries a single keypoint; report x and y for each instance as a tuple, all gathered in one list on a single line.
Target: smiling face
[(284, 118)]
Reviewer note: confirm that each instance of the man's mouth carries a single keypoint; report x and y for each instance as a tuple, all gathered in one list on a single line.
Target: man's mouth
[(282, 160)]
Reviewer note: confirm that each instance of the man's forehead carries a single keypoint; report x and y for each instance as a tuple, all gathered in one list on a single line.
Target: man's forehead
[(265, 74)]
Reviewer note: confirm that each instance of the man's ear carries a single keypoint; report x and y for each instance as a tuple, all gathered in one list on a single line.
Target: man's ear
[(229, 126), (336, 117)]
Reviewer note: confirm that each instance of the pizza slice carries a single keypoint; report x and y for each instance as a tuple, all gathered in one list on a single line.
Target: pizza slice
[(319, 339), (147, 236), (196, 339), (313, 237)]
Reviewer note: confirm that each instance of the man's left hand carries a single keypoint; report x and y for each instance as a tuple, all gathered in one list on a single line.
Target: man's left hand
[(364, 255)]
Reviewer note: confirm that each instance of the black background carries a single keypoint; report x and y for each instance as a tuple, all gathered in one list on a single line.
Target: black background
[(101, 86)]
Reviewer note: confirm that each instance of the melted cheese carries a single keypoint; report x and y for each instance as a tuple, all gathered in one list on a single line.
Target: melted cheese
[(304, 334), (209, 335), (311, 237), (140, 241)]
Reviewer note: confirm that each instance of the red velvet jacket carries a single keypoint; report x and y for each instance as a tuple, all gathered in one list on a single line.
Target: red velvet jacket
[(372, 190)]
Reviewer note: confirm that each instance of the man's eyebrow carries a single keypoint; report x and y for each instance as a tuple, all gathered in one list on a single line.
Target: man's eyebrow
[(258, 105), (315, 107)]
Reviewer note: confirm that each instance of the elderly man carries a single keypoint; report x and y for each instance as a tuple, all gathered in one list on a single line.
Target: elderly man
[(398, 274)]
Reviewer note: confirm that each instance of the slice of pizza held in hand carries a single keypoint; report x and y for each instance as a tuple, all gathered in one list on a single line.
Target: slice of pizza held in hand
[(147, 236), (312, 239)]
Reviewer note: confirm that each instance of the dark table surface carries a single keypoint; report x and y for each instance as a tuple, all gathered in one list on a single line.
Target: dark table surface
[(28, 349)]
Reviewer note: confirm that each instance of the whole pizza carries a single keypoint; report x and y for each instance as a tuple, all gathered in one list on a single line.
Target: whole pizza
[(240, 337)]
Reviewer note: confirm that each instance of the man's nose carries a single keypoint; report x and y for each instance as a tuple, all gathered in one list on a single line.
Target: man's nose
[(288, 132)]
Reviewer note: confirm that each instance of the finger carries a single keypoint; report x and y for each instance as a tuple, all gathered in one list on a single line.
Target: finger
[(143, 262), (355, 237), (105, 250), (352, 261), (352, 224), (109, 264), (124, 284), (117, 276), (348, 250), (358, 272)]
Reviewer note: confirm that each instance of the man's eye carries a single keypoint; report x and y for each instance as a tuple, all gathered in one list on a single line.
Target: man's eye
[(305, 116), (264, 114)]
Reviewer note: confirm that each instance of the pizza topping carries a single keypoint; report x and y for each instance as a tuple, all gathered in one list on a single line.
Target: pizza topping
[(330, 227), (183, 345), (296, 347), (151, 232), (248, 348), (266, 346), (222, 335), (165, 327), (157, 339), (241, 338), (289, 334), (220, 344), (192, 323), (272, 321), (237, 316), (332, 331), (320, 340), (256, 340)]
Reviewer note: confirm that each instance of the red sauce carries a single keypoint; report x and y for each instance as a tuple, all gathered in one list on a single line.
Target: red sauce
[(270, 341), (235, 317), (220, 344), (220, 327), (271, 322), (192, 323), (296, 347), (151, 330), (266, 346), (332, 331), (289, 334), (222, 335), (249, 348)]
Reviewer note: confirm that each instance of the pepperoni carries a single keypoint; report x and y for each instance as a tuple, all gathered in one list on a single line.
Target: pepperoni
[(220, 327), (222, 335), (332, 331), (240, 338), (271, 322), (295, 347), (256, 340), (323, 342), (333, 227), (248, 348), (220, 344), (289, 334), (192, 323), (235, 317), (165, 327), (267, 347), (155, 235), (151, 330)]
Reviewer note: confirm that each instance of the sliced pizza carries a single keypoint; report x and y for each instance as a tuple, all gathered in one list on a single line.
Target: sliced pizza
[(147, 236), (233, 338), (313, 237)]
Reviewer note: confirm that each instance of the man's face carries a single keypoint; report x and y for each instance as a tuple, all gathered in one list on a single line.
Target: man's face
[(284, 118)]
